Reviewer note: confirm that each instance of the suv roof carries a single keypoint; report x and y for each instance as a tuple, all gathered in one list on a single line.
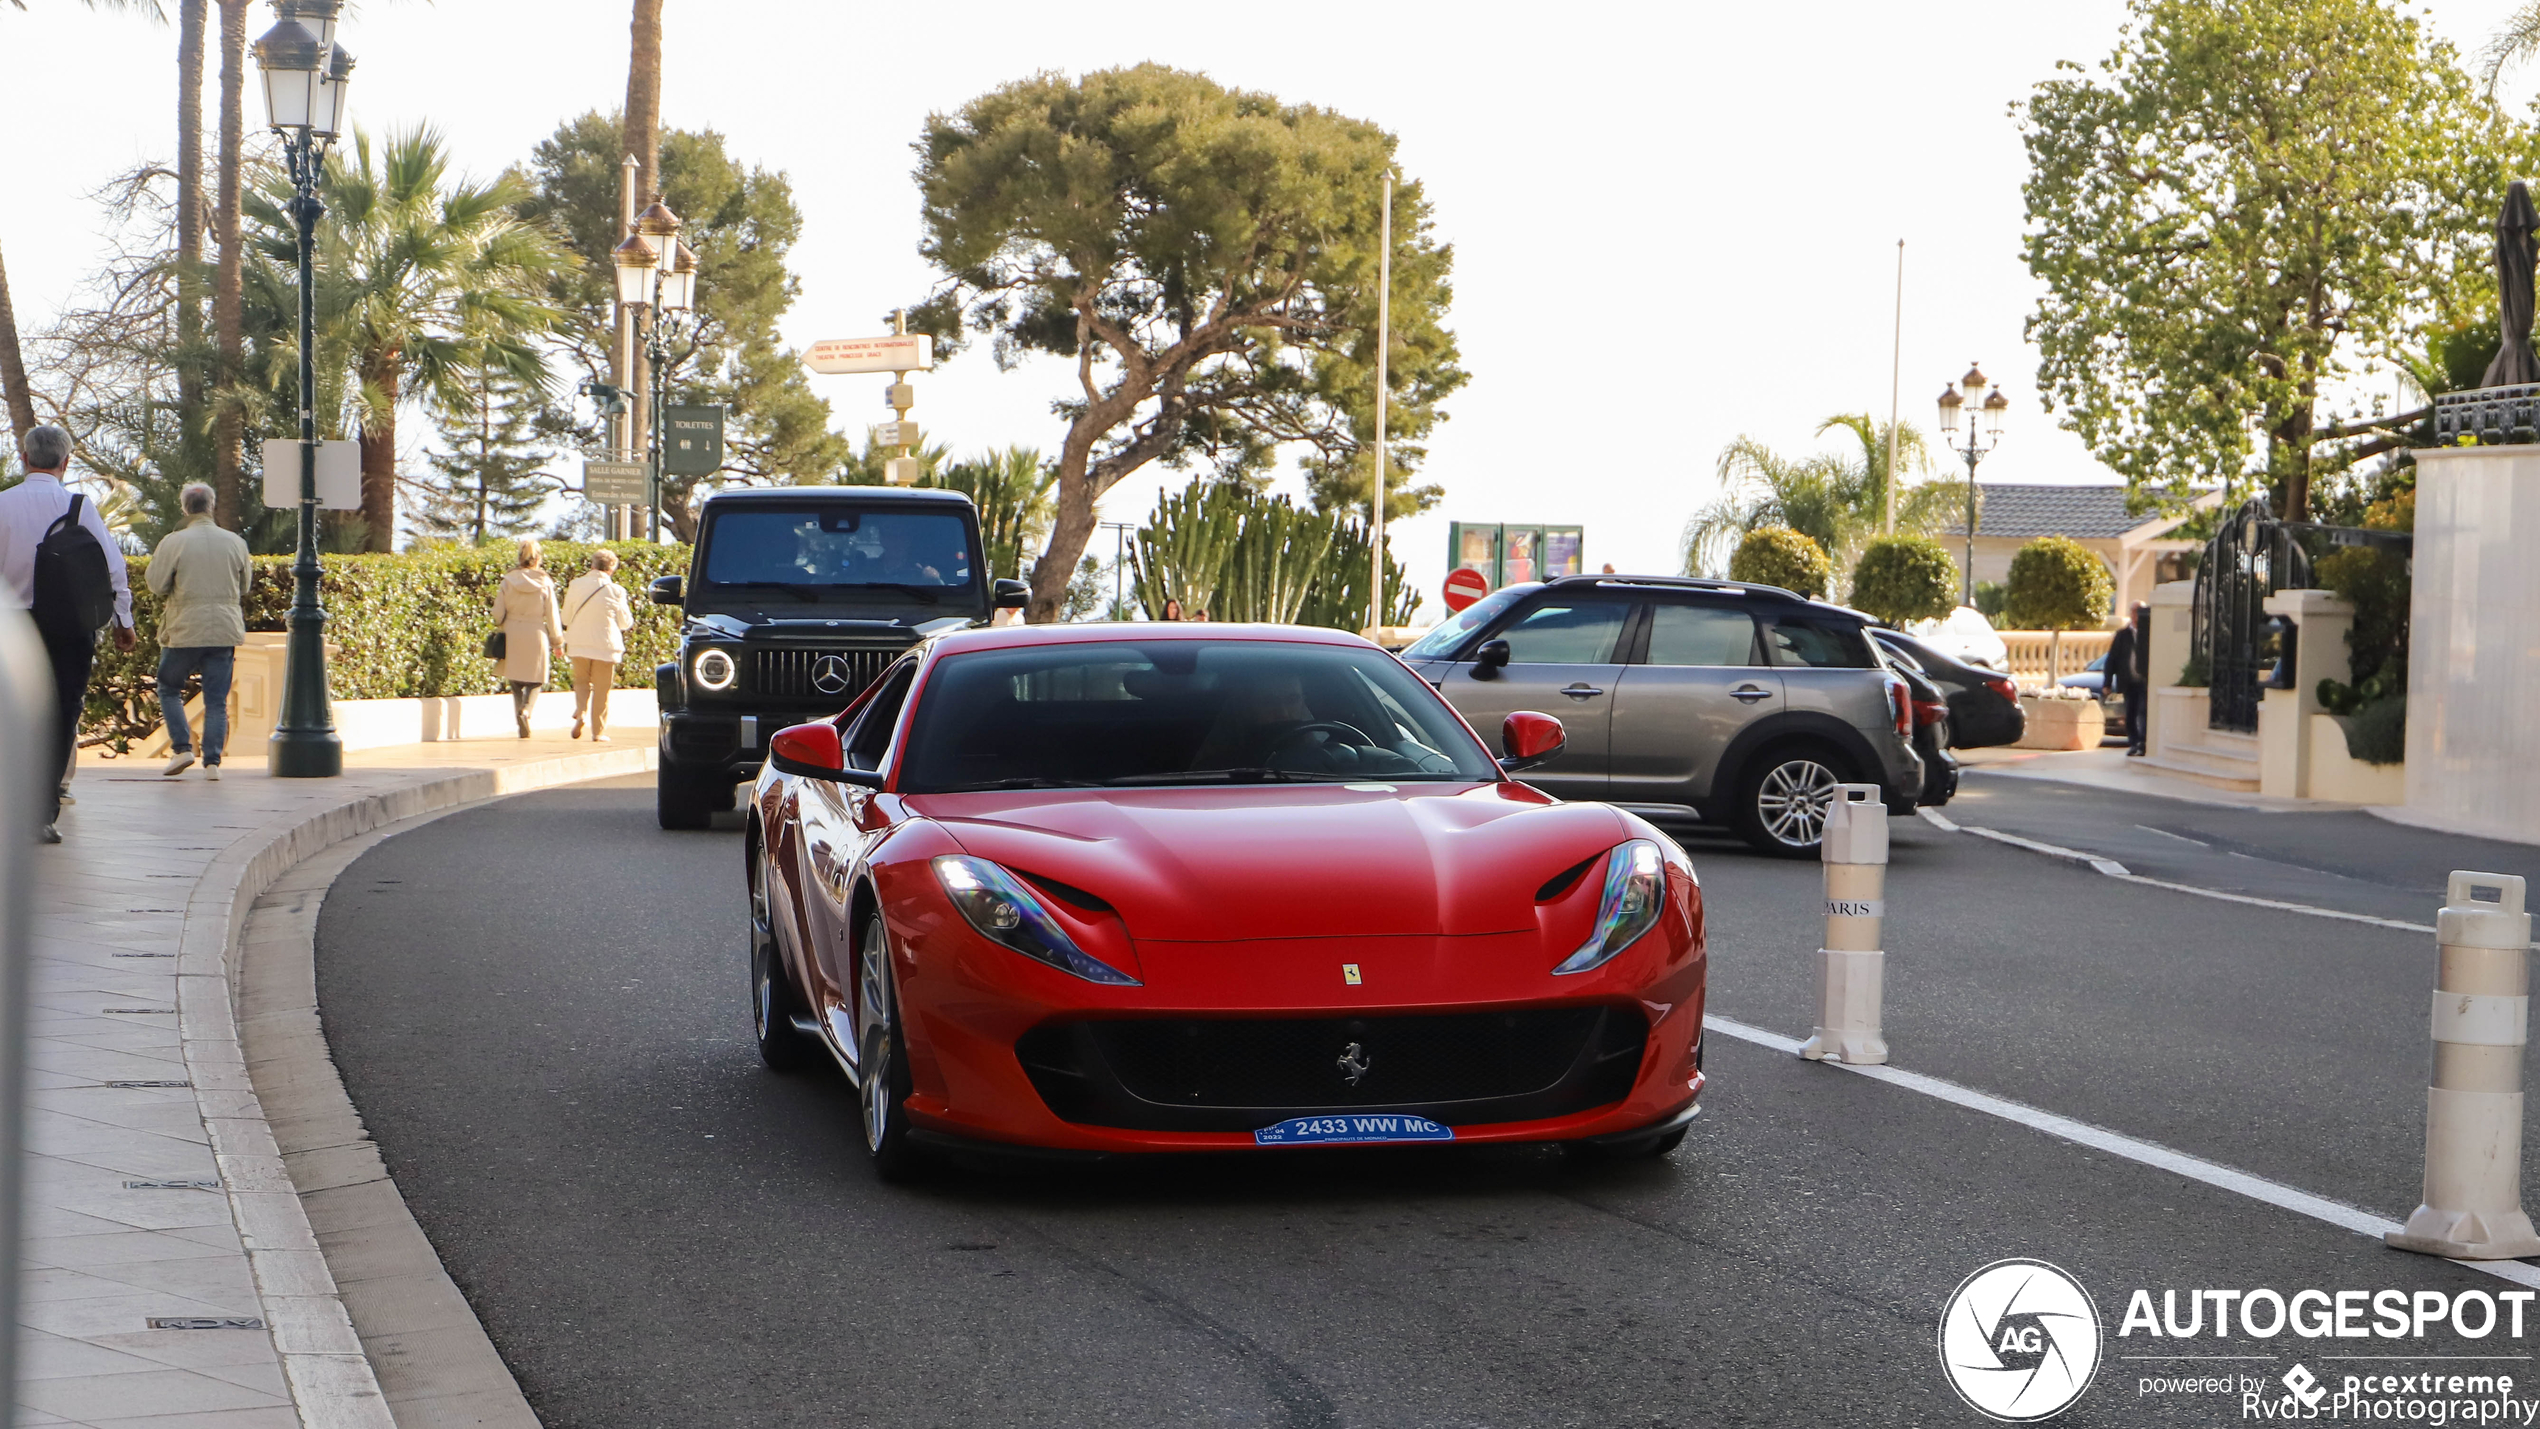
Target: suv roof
[(928, 495), (1681, 583)]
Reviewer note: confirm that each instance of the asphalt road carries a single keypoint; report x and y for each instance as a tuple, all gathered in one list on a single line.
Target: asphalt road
[(2346, 859), (539, 1008)]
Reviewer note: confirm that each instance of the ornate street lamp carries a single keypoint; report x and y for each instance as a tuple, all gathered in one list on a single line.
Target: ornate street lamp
[(657, 277), (306, 75), (1983, 434)]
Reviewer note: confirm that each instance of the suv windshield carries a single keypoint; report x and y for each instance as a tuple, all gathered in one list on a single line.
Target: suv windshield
[(1451, 632), (838, 546), (1164, 712)]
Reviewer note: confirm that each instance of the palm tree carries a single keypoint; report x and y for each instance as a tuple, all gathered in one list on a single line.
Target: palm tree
[(1838, 501), (423, 280), (1012, 489), (2516, 40)]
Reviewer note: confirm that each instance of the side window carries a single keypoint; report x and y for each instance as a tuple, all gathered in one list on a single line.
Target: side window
[(1825, 645), (1573, 632), (1701, 635), (871, 734)]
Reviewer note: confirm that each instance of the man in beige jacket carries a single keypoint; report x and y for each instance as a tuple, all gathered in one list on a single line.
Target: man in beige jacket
[(199, 574)]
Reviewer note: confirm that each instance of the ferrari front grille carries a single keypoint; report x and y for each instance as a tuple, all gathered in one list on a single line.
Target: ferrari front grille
[(1238, 1074)]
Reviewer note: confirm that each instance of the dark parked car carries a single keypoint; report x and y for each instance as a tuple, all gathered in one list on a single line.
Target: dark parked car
[(1984, 705), (1742, 705), (1931, 734), (796, 598)]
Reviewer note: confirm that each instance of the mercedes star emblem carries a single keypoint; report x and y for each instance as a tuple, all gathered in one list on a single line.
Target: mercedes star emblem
[(830, 675), (1353, 1063)]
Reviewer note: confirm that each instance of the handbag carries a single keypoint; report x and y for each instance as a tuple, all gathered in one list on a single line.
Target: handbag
[(495, 645)]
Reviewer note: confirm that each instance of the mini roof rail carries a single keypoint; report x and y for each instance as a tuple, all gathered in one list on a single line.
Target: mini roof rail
[(1679, 582)]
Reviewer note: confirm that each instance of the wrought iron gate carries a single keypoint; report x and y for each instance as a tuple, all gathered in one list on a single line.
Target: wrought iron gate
[(2252, 557)]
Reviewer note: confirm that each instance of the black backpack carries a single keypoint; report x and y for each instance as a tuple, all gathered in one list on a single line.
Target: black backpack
[(74, 591)]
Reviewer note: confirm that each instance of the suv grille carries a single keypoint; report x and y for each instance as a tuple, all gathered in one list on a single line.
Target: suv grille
[(1227, 1074), (839, 675)]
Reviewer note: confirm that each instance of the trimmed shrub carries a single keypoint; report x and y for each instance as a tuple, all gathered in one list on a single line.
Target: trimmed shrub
[(2056, 584), (1778, 555), (1902, 578), (409, 625)]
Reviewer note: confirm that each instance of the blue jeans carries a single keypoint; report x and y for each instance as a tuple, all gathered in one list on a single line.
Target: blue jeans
[(213, 663)]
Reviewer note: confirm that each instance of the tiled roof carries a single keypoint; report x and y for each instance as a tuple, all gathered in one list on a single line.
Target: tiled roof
[(2085, 513)]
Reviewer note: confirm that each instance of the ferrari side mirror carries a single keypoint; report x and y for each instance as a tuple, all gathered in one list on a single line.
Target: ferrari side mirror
[(1490, 660), (814, 751), (1529, 739)]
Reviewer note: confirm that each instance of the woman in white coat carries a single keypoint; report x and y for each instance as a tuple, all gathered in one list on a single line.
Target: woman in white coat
[(525, 610), (596, 619)]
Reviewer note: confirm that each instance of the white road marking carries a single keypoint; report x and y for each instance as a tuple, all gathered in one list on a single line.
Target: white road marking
[(2114, 869), (2182, 838), (2082, 1133)]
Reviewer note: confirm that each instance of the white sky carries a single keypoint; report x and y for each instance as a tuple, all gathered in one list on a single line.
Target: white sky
[(1673, 223)]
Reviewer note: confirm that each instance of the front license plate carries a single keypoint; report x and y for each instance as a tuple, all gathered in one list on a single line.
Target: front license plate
[(1382, 1126)]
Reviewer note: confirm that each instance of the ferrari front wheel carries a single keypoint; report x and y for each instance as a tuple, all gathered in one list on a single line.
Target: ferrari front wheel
[(882, 1060)]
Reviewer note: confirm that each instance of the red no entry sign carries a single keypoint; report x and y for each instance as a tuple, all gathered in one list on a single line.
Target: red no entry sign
[(1465, 586)]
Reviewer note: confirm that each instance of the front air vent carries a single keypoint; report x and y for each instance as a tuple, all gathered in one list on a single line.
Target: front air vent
[(809, 674)]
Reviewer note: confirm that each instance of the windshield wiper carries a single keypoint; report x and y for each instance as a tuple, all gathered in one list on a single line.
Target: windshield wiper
[(924, 593), (1254, 774), (1029, 782), (798, 592)]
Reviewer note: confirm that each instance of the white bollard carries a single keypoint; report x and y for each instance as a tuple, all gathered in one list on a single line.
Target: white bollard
[(1851, 967), (2473, 1112)]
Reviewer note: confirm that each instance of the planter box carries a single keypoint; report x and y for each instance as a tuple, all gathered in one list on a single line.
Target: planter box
[(2342, 778), (2062, 724)]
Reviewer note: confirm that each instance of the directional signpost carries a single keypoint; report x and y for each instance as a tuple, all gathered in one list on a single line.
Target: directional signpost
[(899, 354), (1465, 586), (617, 483)]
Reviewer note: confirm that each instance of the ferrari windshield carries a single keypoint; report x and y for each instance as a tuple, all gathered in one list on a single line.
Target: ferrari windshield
[(837, 544), (1166, 712)]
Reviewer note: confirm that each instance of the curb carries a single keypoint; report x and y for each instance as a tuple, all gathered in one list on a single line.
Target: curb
[(330, 1379)]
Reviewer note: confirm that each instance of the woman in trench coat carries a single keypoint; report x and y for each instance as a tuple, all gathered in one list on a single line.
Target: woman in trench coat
[(525, 610)]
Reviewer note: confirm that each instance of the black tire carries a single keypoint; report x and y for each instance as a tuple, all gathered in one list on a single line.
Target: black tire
[(882, 1060), (773, 997), (1783, 795), (684, 800)]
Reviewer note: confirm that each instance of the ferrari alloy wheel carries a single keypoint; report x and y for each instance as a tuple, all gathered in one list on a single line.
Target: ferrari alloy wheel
[(773, 1001), (1782, 807), (881, 1060)]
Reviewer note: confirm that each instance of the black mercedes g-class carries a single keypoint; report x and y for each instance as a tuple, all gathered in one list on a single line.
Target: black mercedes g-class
[(796, 598)]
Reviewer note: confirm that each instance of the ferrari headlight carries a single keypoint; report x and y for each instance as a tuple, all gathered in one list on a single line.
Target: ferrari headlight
[(997, 904), (715, 670), (1635, 893)]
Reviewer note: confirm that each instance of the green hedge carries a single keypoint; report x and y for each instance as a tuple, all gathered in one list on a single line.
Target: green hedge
[(409, 625)]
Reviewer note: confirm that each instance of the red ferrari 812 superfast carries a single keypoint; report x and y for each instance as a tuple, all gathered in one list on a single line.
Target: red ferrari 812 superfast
[(1138, 888)]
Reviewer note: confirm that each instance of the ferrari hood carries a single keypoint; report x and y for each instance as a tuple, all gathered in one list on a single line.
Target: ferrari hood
[(1218, 865)]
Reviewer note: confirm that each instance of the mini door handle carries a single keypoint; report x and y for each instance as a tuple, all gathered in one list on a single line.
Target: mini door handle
[(1581, 691), (1750, 693)]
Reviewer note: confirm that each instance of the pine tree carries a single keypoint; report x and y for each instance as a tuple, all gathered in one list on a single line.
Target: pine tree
[(487, 481)]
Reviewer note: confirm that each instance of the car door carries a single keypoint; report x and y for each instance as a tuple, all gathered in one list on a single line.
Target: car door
[(1564, 657), (1827, 667), (1697, 678), (839, 824)]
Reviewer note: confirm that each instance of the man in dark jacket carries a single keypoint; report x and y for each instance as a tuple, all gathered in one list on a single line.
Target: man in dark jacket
[(2124, 673), (28, 512)]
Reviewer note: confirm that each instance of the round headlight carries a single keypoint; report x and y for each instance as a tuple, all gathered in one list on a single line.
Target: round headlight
[(715, 670)]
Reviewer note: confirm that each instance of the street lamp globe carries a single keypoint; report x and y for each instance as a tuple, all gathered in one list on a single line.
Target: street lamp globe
[(293, 63), (679, 285), (636, 261), (659, 225), (1974, 383), (1950, 403), (318, 16), (1994, 407), (326, 110)]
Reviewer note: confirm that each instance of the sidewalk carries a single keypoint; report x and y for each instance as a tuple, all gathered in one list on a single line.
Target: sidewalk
[(172, 1280)]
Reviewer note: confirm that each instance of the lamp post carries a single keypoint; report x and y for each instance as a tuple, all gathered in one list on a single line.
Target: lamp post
[(656, 279), (1983, 434), (305, 76)]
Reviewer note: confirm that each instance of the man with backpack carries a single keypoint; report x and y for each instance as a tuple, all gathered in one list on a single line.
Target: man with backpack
[(58, 560)]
